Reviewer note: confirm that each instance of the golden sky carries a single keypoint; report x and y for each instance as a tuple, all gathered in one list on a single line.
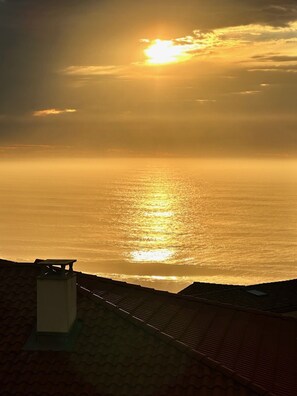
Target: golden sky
[(124, 77)]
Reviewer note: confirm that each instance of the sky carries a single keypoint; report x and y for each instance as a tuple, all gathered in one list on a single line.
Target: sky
[(148, 78)]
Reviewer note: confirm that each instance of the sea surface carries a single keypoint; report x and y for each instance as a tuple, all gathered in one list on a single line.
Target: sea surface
[(163, 223)]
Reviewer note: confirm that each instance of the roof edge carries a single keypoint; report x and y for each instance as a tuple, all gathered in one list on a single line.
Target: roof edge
[(191, 298)]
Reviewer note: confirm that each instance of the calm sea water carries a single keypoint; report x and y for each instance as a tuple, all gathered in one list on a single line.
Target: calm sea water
[(160, 223)]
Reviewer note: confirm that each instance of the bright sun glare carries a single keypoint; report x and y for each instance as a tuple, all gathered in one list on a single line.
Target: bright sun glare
[(165, 51)]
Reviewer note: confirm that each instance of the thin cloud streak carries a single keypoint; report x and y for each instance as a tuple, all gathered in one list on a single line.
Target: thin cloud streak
[(50, 112), (246, 93), (274, 69), (109, 70), (203, 101)]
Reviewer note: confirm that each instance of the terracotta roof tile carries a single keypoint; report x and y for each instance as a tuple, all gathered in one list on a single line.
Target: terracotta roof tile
[(121, 349)]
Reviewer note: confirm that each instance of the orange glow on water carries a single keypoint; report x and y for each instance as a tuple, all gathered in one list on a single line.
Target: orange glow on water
[(156, 210), (152, 255)]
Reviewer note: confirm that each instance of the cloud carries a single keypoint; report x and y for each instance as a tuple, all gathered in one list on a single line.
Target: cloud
[(239, 42), (279, 13), (33, 150), (49, 112), (275, 69), (243, 37), (277, 9), (203, 101), (109, 70), (246, 93), (276, 58), (25, 147)]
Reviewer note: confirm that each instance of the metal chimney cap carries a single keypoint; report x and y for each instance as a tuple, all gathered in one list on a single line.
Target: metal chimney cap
[(51, 264)]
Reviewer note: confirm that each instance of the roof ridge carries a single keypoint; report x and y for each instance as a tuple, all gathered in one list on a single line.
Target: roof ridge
[(17, 263), (272, 283), (196, 299), (241, 285), (211, 283), (199, 356), (213, 291)]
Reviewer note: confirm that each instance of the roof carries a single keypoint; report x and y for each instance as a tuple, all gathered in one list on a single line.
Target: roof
[(260, 347), (136, 340), (274, 297)]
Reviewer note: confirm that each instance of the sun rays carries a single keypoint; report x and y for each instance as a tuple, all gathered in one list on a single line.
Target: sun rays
[(162, 52)]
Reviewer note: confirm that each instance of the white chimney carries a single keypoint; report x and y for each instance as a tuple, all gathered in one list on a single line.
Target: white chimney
[(56, 296)]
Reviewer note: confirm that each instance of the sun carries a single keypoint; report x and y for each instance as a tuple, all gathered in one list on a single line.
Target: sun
[(165, 51)]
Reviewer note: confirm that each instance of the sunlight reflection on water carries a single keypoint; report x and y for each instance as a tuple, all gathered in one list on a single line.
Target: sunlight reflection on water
[(154, 217), (152, 255)]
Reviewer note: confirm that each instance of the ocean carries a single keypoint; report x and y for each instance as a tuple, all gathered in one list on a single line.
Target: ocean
[(162, 223)]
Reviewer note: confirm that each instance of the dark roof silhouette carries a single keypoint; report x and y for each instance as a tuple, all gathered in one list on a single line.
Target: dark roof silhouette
[(278, 297), (139, 341)]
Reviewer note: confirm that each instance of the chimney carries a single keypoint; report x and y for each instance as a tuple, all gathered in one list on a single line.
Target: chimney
[(56, 296)]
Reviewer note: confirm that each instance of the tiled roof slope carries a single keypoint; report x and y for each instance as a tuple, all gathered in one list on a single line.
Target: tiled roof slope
[(114, 354), (258, 346), (278, 296)]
